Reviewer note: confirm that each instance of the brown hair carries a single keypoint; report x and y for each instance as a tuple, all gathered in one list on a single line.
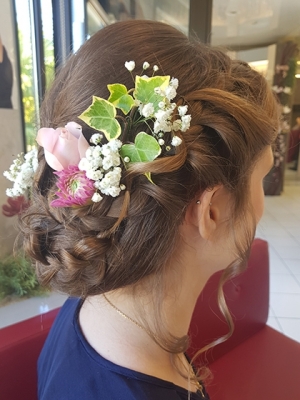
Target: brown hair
[(86, 251)]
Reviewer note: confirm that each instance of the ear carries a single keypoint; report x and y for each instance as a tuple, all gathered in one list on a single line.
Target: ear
[(207, 212)]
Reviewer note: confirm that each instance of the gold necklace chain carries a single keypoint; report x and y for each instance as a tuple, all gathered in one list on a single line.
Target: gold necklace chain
[(153, 336)]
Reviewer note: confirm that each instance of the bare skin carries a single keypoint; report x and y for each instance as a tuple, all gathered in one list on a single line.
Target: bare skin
[(203, 250)]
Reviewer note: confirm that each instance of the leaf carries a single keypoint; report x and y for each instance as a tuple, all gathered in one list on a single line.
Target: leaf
[(144, 149), (148, 176), (120, 98), (101, 115), (144, 89)]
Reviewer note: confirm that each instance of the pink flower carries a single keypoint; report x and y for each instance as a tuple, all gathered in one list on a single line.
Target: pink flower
[(75, 189), (63, 146), (15, 206)]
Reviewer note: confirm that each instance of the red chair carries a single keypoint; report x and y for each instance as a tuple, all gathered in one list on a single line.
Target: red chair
[(257, 362), (20, 346)]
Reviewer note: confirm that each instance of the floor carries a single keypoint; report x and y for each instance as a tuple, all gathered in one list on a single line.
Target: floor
[(280, 226)]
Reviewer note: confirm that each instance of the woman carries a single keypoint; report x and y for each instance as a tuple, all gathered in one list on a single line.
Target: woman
[(137, 257), (6, 78)]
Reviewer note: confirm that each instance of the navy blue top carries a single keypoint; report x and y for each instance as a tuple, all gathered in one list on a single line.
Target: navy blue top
[(69, 368)]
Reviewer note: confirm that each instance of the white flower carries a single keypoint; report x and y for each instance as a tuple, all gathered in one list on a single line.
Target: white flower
[(164, 126), (8, 176), (10, 193), (95, 163), (30, 155), (161, 105), (96, 152), (84, 164), (186, 120), (176, 125), (130, 65), (176, 141), (21, 172), (126, 159), (110, 184), (162, 122), (113, 191), (106, 150), (155, 68), (114, 144), (94, 175), (146, 65), (26, 172), (35, 163), (161, 142), (112, 160), (182, 110), (174, 83), (96, 138), (287, 90), (170, 92), (286, 110), (96, 198), (122, 187), (89, 153), (147, 110), (162, 115)]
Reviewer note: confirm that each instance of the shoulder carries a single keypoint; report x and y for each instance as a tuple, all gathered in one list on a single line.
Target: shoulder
[(87, 375)]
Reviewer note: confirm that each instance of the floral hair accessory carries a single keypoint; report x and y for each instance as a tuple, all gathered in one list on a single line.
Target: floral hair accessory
[(21, 172), (62, 146), (87, 171)]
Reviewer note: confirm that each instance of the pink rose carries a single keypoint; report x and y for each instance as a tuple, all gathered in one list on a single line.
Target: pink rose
[(63, 146)]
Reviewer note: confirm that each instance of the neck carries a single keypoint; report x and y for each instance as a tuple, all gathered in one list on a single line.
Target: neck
[(108, 325), (122, 339), (128, 319)]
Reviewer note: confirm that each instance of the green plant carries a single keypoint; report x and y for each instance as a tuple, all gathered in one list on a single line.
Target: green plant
[(17, 278), (30, 103)]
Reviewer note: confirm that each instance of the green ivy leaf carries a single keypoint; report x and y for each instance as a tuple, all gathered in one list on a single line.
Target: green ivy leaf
[(101, 115), (148, 176), (144, 149), (144, 89), (120, 98)]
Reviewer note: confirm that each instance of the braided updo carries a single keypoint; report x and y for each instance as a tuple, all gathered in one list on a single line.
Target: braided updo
[(116, 243)]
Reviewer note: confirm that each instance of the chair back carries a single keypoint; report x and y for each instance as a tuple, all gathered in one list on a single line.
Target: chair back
[(20, 346), (247, 297)]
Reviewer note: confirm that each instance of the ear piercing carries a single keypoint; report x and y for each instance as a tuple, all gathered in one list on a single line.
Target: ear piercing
[(199, 202)]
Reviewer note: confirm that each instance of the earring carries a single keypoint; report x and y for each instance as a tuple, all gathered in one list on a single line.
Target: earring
[(199, 202)]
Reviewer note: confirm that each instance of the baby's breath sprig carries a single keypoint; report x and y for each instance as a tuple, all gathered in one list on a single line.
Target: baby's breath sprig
[(21, 173)]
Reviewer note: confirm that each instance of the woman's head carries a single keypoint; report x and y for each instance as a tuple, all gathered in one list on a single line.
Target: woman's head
[(82, 250)]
